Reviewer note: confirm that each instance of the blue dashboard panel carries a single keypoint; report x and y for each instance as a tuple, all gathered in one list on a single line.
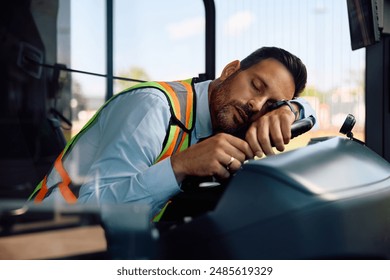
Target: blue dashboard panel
[(326, 200)]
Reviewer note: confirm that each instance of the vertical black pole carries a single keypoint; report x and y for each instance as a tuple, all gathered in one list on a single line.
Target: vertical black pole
[(109, 47), (210, 38), (378, 97)]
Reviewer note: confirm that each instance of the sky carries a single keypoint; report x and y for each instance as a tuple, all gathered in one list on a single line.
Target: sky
[(166, 38)]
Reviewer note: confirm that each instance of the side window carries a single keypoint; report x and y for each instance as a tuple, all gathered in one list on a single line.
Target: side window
[(152, 40), (315, 31), (82, 46), (165, 40), (158, 40)]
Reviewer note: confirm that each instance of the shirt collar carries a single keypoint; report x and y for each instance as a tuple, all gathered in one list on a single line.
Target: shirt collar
[(203, 127)]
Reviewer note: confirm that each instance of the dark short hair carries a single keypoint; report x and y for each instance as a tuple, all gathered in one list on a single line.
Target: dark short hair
[(290, 61)]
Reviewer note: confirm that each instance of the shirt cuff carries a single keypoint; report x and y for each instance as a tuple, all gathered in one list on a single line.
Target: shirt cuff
[(162, 183), (301, 109)]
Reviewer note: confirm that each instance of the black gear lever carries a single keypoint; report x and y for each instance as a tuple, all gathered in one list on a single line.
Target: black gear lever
[(347, 127)]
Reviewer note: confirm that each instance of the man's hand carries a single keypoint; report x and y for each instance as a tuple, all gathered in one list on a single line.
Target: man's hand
[(273, 128), (219, 155)]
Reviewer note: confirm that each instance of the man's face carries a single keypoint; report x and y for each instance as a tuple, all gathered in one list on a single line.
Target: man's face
[(244, 96)]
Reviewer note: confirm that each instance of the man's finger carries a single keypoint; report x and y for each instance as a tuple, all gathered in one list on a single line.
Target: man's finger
[(263, 137), (251, 138)]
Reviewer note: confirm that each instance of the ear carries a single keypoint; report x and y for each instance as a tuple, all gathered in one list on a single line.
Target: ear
[(230, 69)]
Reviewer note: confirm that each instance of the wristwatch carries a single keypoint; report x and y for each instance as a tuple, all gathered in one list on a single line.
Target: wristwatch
[(283, 102)]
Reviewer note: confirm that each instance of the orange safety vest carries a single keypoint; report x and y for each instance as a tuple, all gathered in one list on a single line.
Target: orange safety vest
[(181, 99)]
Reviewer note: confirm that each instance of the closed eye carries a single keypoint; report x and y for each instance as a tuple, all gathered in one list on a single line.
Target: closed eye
[(258, 86)]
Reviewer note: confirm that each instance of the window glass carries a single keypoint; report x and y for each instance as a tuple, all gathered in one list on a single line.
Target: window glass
[(87, 53), (153, 40), (164, 40), (158, 40), (315, 31)]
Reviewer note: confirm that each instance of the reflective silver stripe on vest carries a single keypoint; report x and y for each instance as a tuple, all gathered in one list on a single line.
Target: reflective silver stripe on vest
[(181, 94)]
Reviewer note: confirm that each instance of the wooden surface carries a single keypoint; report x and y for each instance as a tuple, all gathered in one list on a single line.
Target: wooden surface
[(53, 244)]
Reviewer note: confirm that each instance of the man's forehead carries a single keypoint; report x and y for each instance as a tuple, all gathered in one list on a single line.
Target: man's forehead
[(274, 75), (267, 65)]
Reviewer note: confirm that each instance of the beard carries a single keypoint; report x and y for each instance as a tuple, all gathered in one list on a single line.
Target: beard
[(228, 116), (227, 121)]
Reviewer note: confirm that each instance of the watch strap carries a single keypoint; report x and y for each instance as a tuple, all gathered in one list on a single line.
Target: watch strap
[(284, 102)]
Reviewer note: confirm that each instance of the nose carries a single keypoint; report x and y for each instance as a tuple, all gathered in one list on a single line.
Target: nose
[(257, 103)]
